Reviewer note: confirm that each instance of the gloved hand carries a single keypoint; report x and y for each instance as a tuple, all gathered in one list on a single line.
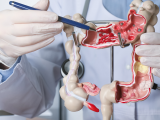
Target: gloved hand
[(151, 52), (24, 31)]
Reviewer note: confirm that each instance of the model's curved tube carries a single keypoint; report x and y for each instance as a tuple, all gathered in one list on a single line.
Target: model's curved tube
[(75, 94), (139, 87), (136, 90)]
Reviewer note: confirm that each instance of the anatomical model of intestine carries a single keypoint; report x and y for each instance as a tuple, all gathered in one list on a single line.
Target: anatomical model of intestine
[(139, 88), (75, 94), (142, 17)]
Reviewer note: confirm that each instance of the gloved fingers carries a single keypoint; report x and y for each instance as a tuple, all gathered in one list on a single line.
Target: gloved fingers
[(151, 38), (29, 40), (15, 51), (148, 50), (153, 62), (42, 5), (156, 72), (28, 49), (30, 16), (35, 29)]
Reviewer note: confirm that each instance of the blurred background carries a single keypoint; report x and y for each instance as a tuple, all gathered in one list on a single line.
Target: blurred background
[(57, 111)]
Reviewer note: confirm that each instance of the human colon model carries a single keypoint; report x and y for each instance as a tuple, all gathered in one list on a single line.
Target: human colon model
[(141, 18), (137, 89), (140, 86), (75, 94)]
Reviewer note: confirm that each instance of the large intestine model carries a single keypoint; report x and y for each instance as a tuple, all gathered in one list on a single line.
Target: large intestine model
[(141, 18)]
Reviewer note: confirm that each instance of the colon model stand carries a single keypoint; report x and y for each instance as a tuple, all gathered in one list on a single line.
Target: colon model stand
[(111, 52), (84, 14)]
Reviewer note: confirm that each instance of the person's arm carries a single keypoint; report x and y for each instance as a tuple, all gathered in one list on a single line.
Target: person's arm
[(30, 89)]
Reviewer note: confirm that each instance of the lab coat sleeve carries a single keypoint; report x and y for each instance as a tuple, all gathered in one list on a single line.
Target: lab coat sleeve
[(30, 90), (6, 73)]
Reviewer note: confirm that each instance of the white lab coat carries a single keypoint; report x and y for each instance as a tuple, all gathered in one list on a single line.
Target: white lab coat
[(30, 90)]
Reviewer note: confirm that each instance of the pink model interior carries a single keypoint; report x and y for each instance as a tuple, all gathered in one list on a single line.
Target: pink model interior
[(140, 86), (108, 35), (91, 89)]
